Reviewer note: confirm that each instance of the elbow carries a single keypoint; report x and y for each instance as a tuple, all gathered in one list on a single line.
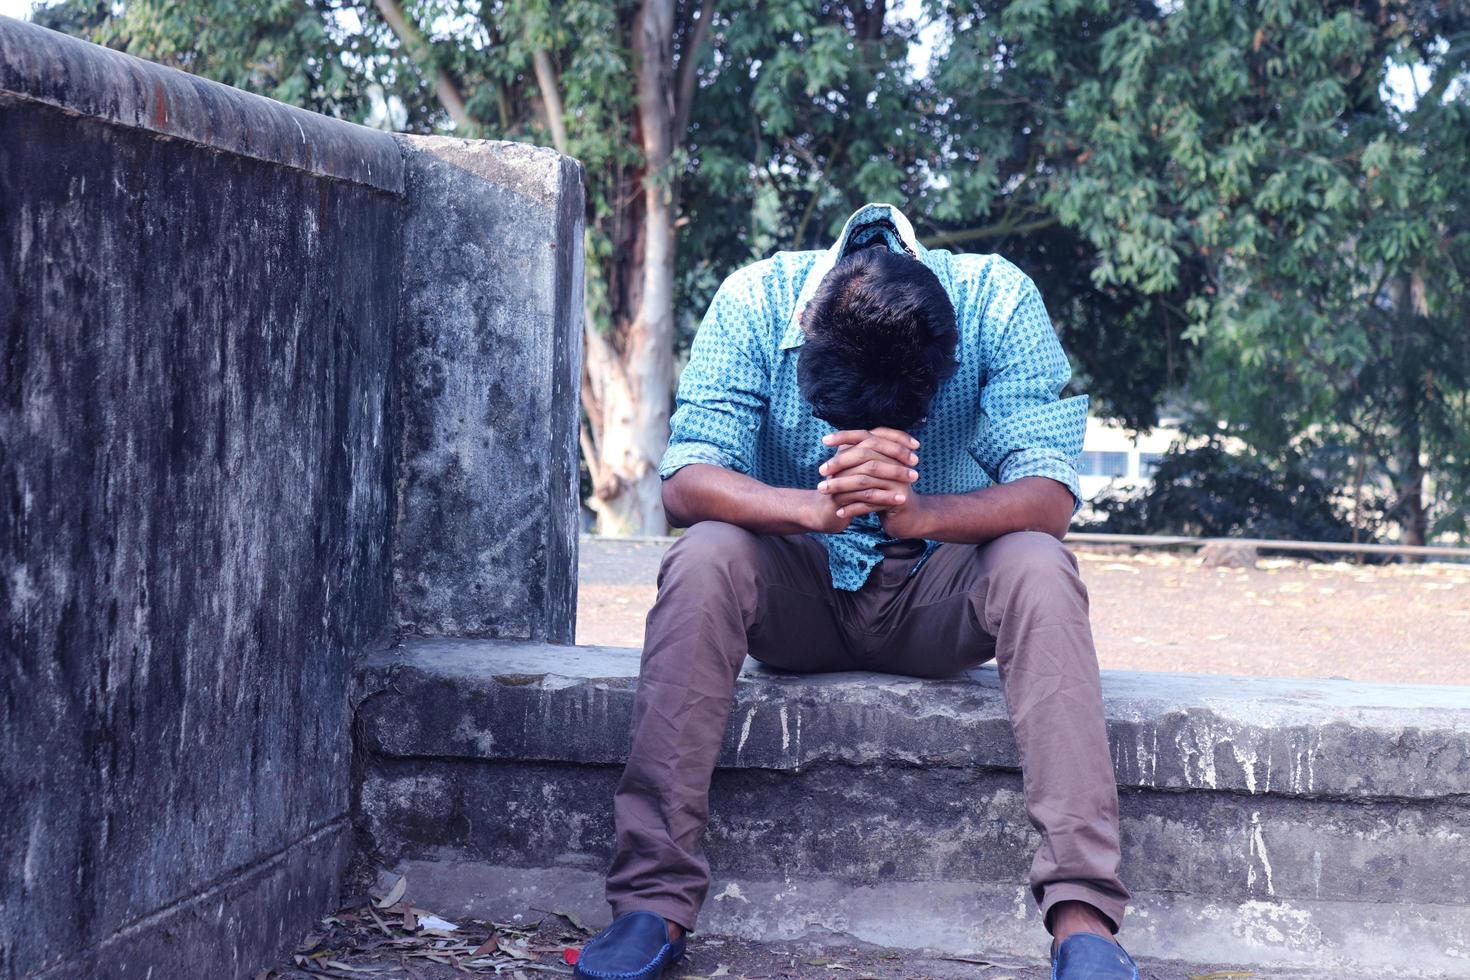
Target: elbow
[(1068, 513), (1054, 525), (1055, 517), (670, 494)]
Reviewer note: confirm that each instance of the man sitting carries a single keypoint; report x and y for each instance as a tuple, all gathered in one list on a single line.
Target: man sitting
[(875, 469)]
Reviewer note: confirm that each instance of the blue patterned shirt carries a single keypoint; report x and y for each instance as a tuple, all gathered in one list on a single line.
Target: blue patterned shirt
[(998, 418)]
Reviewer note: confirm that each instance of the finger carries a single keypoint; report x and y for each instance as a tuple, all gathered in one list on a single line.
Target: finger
[(858, 509), (883, 468), (856, 457), (845, 437), (852, 482), (890, 447), (897, 435), (882, 450), (876, 496)]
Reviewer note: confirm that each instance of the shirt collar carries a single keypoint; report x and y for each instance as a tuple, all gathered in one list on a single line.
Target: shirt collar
[(861, 218)]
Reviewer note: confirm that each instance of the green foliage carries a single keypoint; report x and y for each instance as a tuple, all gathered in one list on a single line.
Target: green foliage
[(1209, 492), (1001, 89), (295, 51), (1249, 148), (806, 111)]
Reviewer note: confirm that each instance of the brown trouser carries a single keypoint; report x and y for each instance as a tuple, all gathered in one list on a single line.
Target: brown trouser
[(724, 592)]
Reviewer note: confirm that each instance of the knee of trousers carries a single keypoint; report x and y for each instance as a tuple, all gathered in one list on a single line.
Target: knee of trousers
[(707, 581), (1031, 569), (708, 550), (712, 562)]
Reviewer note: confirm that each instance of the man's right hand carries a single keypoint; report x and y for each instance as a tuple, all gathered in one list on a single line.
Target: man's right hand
[(871, 471)]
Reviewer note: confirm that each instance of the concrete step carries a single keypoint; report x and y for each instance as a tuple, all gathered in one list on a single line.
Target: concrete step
[(1277, 823)]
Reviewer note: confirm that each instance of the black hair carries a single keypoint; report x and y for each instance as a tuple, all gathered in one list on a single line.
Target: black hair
[(880, 338)]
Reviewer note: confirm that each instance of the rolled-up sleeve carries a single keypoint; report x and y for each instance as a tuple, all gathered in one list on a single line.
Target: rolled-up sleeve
[(1028, 429), (724, 388)]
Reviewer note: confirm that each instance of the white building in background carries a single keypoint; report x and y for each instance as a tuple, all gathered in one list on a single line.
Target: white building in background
[(1114, 457)]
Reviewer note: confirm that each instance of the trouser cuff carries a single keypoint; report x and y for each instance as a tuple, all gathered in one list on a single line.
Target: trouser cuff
[(1063, 891), (672, 909)]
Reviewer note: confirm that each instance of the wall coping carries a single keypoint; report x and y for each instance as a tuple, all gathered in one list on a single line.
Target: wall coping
[(76, 76)]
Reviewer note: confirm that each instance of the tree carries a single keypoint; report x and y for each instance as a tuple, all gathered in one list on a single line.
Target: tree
[(1252, 150), (290, 50), (1004, 83)]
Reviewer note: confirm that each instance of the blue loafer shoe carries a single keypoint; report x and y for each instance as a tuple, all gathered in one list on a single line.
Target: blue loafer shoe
[(635, 947), (1083, 956)]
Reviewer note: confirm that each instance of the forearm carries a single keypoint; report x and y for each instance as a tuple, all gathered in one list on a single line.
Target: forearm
[(1033, 503), (705, 492)]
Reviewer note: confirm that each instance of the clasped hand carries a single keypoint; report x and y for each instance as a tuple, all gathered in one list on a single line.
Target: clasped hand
[(872, 471)]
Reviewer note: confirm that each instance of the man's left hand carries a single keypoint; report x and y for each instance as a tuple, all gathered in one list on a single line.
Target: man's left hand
[(872, 472)]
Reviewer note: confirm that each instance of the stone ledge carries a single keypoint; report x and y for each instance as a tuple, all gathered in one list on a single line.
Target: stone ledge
[(1272, 822), (507, 700)]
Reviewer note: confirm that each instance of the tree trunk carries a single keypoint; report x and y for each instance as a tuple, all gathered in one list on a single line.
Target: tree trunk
[(1412, 514), (635, 382)]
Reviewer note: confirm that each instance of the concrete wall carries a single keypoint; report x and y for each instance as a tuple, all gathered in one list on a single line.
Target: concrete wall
[(487, 534), (208, 301)]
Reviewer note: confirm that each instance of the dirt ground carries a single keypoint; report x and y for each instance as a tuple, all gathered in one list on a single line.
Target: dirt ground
[(1164, 611), (368, 941)]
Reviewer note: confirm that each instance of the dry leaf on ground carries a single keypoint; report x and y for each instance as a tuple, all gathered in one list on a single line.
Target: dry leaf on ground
[(394, 893)]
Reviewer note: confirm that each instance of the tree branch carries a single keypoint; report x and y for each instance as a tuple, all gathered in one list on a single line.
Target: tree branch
[(421, 51), (688, 63), (589, 455), (989, 231), (592, 405), (834, 149), (602, 365)]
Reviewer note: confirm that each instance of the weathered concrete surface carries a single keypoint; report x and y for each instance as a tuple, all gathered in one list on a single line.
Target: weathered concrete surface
[(1288, 737), (489, 364), (1313, 805), (900, 822), (195, 357), (223, 930), (45, 67)]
